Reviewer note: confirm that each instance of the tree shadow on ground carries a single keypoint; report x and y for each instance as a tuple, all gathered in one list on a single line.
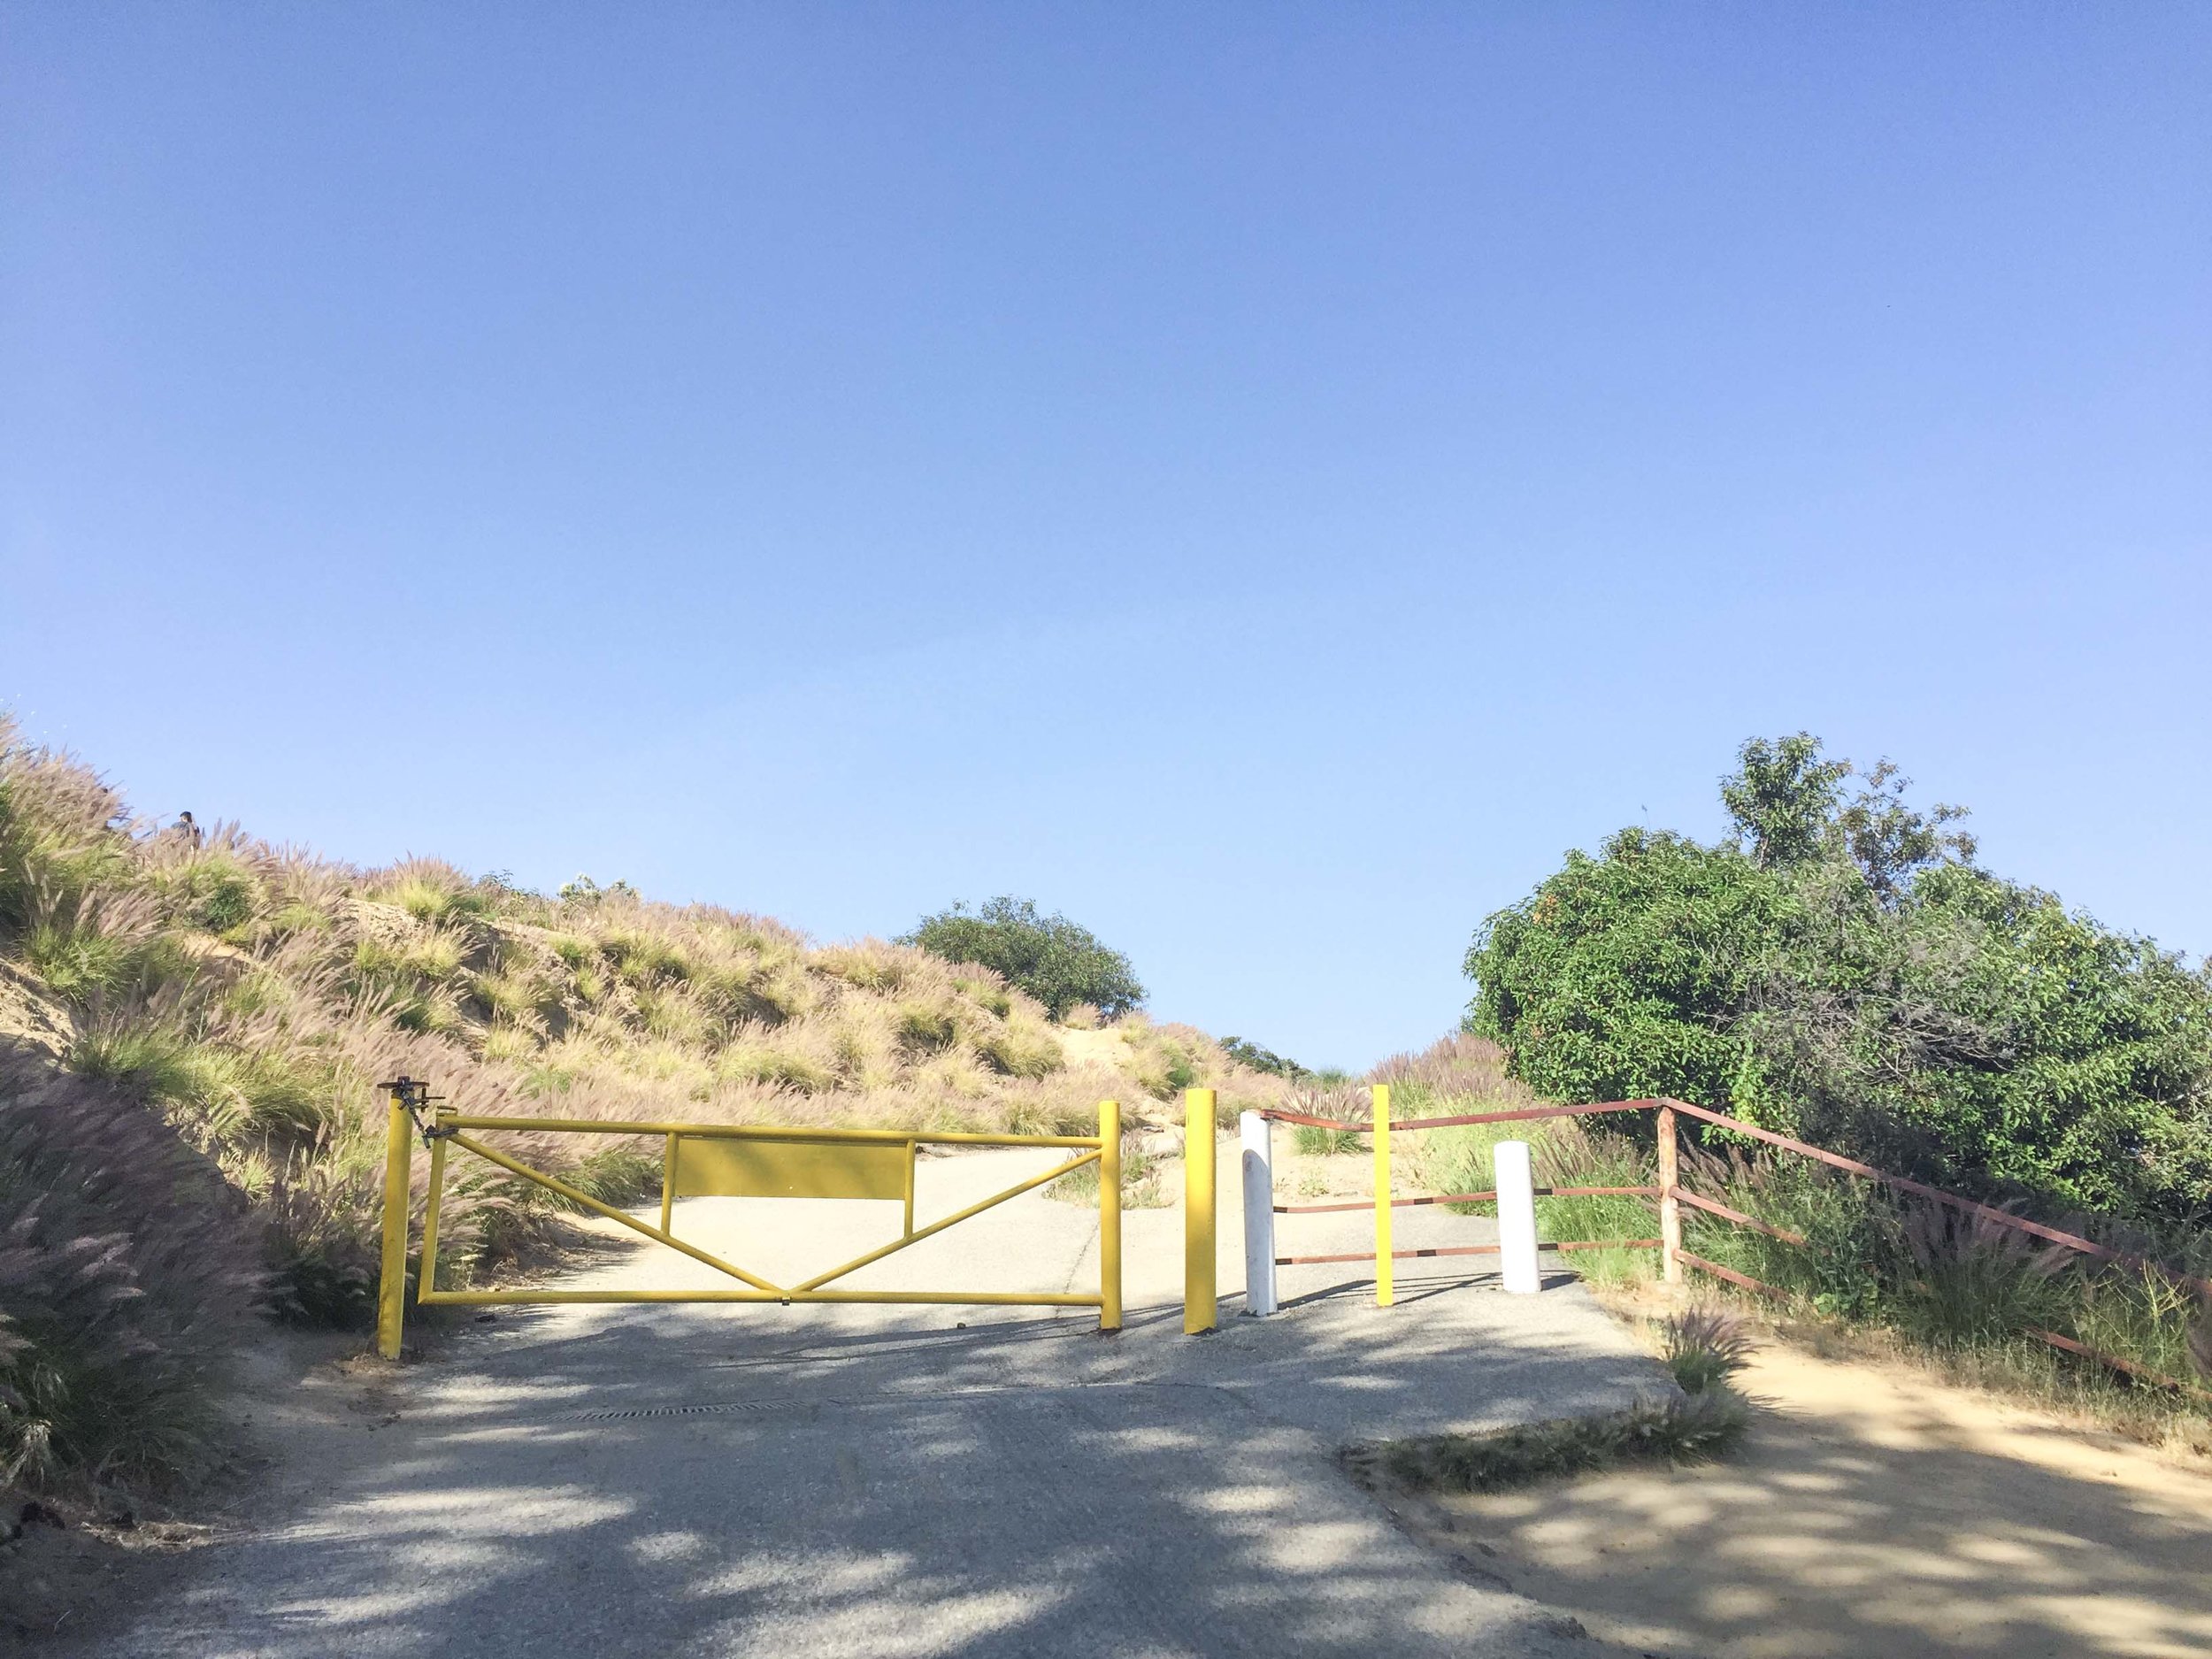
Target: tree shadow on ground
[(1868, 1524), (677, 1480)]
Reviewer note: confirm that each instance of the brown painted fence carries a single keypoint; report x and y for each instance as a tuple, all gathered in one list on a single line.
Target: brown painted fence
[(1670, 1195)]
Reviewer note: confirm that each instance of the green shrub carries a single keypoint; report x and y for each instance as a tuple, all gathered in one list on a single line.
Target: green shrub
[(1694, 1428), (215, 893), (149, 1058), (1622, 976), (1317, 1142), (1842, 970), (923, 1029), (295, 916), (1703, 1348), (1259, 1059), (434, 958), (641, 958), (80, 964), (1051, 957), (1019, 1051), (986, 994)]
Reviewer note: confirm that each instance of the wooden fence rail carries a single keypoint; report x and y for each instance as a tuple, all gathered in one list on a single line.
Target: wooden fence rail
[(1669, 1193)]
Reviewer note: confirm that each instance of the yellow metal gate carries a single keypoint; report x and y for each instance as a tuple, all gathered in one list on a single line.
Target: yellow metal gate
[(724, 1160)]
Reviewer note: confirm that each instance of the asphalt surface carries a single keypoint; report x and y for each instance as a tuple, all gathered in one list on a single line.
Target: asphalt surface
[(863, 1481)]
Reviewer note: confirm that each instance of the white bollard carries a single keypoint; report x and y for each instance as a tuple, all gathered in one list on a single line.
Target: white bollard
[(1517, 1218), (1257, 1134)]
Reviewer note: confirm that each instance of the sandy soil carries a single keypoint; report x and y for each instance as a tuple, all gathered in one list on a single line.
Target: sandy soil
[(1093, 1048), (1876, 1513)]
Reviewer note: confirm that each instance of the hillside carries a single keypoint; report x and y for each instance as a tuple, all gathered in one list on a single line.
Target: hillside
[(206, 997)]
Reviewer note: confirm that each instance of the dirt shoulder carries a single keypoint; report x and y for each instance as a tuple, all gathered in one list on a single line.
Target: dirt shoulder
[(75, 1570), (1876, 1512)]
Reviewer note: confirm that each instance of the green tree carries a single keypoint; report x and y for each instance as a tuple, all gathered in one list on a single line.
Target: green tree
[(1245, 1052), (1976, 1032), (1840, 968), (1783, 798), (1050, 957), (1621, 976)]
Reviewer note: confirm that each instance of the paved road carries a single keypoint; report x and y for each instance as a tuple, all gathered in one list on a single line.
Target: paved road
[(696, 1480)]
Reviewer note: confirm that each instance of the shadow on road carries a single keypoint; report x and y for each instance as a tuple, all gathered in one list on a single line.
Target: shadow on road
[(886, 1481)]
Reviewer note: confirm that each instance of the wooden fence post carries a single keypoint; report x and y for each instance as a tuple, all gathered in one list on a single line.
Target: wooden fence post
[(1670, 1205), (1385, 1284)]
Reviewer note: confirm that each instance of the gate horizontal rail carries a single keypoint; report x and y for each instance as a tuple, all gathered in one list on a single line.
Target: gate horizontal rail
[(757, 1131)]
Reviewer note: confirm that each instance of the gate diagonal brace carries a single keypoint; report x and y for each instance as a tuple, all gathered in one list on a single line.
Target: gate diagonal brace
[(469, 1144), (897, 1245)]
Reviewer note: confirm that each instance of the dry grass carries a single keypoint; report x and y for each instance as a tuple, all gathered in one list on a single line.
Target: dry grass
[(1459, 1068), (243, 1000), (124, 1276)]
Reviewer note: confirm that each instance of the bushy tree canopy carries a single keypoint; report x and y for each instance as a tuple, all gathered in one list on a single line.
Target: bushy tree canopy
[(1841, 969), (1620, 976), (1245, 1052), (1050, 957)]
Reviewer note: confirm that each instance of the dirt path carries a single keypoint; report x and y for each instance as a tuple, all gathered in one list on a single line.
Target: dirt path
[(1876, 1514)]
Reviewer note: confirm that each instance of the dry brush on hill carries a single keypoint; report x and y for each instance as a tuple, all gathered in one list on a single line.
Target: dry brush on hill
[(205, 994)]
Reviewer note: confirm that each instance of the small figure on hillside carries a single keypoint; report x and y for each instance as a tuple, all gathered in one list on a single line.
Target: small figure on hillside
[(187, 828)]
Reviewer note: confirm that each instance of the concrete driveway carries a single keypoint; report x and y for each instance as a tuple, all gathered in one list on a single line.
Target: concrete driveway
[(911, 1480)]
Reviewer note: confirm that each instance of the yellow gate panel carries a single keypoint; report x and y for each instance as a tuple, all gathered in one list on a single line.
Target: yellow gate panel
[(732, 1160), (715, 1167)]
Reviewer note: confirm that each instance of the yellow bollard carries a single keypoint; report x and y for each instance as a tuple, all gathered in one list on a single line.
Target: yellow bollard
[(1385, 1290), (391, 1290), (1109, 1215), (1198, 1211)]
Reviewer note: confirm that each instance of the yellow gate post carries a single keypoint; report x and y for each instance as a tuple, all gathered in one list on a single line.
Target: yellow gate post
[(391, 1290), (1386, 1289), (1110, 1214), (1199, 1308)]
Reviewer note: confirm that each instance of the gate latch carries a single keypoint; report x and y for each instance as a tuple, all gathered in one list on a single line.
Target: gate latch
[(417, 1099)]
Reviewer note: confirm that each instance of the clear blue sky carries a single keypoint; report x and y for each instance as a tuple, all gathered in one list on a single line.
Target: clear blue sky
[(1263, 479)]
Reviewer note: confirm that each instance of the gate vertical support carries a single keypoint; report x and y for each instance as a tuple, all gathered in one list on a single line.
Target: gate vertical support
[(1200, 1309), (391, 1290), (1670, 1205), (1385, 1285), (428, 1273), (1255, 1135), (1109, 1215)]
